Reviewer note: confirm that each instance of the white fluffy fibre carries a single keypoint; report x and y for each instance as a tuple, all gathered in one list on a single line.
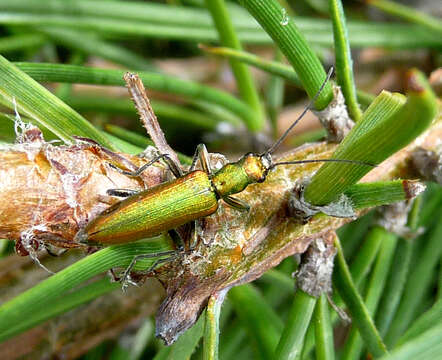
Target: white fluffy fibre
[(335, 118)]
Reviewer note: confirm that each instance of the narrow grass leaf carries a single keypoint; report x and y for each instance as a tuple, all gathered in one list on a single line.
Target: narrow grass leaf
[(94, 46), (65, 303), (273, 67), (243, 77), (211, 328), (354, 345), (21, 42), (364, 258), (360, 314), (184, 347), (382, 193), (317, 31), (38, 103), (275, 21), (20, 313), (409, 14), (258, 317), (387, 126), (417, 284), (292, 338), (428, 320), (155, 81), (344, 63), (323, 330), (398, 275), (427, 346)]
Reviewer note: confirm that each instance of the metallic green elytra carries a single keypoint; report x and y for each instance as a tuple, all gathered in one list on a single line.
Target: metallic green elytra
[(153, 211)]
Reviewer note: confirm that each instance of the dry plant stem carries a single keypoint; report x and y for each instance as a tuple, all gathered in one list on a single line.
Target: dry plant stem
[(37, 194), (74, 333), (53, 191), (147, 115)]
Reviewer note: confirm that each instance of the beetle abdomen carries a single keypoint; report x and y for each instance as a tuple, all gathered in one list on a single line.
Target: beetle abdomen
[(153, 211)]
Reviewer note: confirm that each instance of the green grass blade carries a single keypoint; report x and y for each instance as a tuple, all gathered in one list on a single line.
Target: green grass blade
[(111, 77), (397, 277), (95, 46), (292, 338), (418, 283), (353, 234), (183, 348), (317, 31), (323, 330), (141, 19), (211, 328), (21, 42), (387, 126), (20, 313), (344, 63), (258, 317), (409, 14), (292, 43), (428, 320), (244, 80), (366, 255), (360, 314), (38, 103), (272, 67), (353, 346), (181, 114), (382, 193), (427, 346), (67, 302)]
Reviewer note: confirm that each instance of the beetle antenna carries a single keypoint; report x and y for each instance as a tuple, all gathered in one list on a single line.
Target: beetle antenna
[(322, 160), (307, 108)]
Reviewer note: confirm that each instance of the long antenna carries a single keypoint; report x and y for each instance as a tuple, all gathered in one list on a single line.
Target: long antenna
[(323, 160), (307, 108)]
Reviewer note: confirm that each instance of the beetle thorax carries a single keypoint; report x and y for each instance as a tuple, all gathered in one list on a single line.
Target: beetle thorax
[(255, 168)]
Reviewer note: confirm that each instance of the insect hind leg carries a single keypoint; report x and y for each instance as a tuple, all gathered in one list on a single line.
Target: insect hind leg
[(164, 257), (121, 192), (176, 171), (202, 154)]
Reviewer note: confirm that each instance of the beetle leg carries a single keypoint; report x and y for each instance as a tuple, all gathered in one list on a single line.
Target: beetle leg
[(201, 154), (121, 192), (126, 280), (114, 276), (179, 237), (51, 252), (193, 237), (173, 168), (176, 170), (236, 203)]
